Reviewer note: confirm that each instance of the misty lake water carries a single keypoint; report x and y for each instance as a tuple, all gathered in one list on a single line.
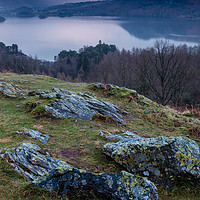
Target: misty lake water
[(45, 38)]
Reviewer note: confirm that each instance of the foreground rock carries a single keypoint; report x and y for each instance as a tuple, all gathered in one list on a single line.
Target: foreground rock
[(81, 106), (123, 92), (123, 186), (51, 174), (10, 90), (28, 160), (164, 160)]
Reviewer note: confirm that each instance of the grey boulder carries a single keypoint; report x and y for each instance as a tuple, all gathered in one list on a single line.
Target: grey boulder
[(164, 160)]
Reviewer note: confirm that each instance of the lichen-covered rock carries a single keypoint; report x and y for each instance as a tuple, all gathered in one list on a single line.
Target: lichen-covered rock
[(37, 135), (51, 174), (81, 106), (10, 90), (122, 186), (123, 92), (28, 160), (164, 160)]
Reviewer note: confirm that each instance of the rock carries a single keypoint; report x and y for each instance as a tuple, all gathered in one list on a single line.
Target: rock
[(123, 92), (37, 135), (164, 160), (82, 106), (10, 90), (51, 174), (26, 159), (122, 186)]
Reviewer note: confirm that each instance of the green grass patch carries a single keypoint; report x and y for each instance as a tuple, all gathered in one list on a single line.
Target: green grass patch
[(78, 135)]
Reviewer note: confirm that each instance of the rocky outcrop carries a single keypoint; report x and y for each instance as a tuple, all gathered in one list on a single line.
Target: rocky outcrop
[(164, 160), (10, 90), (81, 106), (51, 174), (123, 92)]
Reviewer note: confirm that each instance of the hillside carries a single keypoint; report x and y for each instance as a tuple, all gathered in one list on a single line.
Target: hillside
[(130, 8), (9, 4), (77, 141), (187, 9)]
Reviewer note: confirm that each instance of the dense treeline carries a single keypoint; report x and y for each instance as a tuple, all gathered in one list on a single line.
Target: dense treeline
[(165, 73)]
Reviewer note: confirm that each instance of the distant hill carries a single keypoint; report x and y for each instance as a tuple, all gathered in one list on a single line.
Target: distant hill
[(184, 9), (128, 8), (12, 4)]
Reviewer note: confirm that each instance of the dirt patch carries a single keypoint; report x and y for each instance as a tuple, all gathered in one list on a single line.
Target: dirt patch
[(73, 152), (39, 126), (1, 111), (4, 140)]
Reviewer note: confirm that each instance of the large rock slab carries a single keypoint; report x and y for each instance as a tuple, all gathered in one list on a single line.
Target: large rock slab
[(81, 106), (122, 186), (10, 90), (164, 160), (51, 174)]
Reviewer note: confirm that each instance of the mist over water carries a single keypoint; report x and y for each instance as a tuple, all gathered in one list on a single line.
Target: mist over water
[(46, 38)]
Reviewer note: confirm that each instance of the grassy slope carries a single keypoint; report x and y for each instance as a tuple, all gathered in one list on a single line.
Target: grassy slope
[(81, 137)]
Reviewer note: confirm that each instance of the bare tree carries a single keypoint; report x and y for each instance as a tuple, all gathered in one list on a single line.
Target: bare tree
[(165, 71)]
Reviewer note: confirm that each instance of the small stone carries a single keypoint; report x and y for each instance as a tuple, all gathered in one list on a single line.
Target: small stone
[(37, 135)]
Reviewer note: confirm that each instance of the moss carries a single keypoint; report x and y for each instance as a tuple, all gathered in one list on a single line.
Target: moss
[(188, 114), (183, 159), (40, 111), (63, 168)]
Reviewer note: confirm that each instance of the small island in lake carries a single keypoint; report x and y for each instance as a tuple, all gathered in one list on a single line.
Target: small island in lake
[(2, 19)]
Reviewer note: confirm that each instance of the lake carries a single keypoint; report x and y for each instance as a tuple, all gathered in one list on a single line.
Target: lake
[(45, 38)]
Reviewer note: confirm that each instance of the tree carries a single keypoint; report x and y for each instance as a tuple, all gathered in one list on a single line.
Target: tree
[(165, 71)]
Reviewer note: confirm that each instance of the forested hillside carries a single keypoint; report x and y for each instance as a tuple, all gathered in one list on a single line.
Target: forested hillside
[(164, 73), (185, 9)]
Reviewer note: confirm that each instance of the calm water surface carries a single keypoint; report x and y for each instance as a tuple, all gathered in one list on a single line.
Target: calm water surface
[(47, 37)]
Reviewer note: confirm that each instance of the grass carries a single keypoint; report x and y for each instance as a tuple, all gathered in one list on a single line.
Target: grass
[(80, 136)]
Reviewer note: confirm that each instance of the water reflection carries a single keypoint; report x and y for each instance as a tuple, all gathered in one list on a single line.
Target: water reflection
[(148, 28), (46, 38)]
